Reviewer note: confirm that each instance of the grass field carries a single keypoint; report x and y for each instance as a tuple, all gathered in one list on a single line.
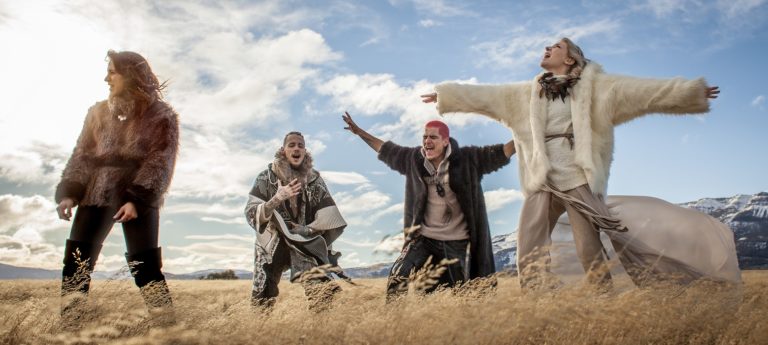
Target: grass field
[(218, 312)]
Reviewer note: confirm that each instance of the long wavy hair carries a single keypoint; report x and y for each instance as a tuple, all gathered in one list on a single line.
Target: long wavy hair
[(142, 84)]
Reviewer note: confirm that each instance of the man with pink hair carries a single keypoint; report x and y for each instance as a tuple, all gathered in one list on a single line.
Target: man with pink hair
[(445, 215)]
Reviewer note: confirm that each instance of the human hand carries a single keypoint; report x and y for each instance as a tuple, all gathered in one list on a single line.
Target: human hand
[(64, 209), (299, 229), (351, 125), (712, 92), (125, 213), (285, 192), (429, 98)]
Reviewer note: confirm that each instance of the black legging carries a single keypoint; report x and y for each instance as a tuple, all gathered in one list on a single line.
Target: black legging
[(92, 225)]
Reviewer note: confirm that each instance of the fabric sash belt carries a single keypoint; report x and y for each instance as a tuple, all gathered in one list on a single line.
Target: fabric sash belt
[(568, 136), (602, 222)]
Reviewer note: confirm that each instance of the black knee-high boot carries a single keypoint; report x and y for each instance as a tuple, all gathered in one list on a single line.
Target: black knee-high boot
[(79, 260), (145, 267)]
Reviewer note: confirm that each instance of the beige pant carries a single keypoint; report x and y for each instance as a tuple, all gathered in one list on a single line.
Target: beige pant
[(537, 220)]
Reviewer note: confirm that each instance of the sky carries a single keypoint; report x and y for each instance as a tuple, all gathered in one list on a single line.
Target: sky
[(243, 73)]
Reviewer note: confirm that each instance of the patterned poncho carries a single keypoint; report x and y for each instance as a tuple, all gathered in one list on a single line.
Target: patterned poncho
[(316, 209)]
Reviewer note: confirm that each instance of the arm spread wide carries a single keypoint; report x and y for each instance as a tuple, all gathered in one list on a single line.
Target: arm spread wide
[(629, 98)]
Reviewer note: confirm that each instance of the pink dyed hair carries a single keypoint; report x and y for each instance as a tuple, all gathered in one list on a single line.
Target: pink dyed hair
[(442, 128)]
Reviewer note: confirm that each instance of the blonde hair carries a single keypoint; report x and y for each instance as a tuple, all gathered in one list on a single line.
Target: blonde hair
[(575, 53)]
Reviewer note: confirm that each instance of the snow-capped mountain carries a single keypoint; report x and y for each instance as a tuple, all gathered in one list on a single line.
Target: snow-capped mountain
[(505, 251), (747, 216)]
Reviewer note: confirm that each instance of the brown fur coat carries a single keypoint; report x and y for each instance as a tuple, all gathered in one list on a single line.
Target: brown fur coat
[(115, 161)]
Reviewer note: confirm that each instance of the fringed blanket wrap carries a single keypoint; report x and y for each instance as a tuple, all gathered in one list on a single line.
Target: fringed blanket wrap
[(667, 241), (317, 210)]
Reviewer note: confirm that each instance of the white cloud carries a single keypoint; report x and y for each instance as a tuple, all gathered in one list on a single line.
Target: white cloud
[(496, 199), (380, 94), (22, 215), (209, 254), (18, 252), (231, 221), (737, 8), (203, 208), (224, 237), (344, 178), (442, 8), (225, 81), (350, 203), (428, 23), (390, 244), (758, 101), (359, 244), (663, 8), (524, 48), (25, 223), (351, 260)]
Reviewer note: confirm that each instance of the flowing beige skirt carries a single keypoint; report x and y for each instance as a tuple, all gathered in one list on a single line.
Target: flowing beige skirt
[(667, 241)]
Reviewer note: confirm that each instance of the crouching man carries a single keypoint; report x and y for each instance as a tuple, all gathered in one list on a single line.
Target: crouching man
[(296, 221)]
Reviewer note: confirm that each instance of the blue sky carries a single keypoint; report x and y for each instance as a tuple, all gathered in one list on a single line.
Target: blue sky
[(243, 73)]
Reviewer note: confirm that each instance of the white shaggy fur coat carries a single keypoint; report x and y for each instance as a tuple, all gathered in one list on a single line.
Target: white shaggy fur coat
[(599, 102)]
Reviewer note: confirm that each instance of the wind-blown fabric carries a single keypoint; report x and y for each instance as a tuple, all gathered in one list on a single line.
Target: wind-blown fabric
[(667, 241), (317, 210)]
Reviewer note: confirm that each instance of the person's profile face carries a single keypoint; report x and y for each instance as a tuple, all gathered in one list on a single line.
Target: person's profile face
[(556, 56), (115, 80)]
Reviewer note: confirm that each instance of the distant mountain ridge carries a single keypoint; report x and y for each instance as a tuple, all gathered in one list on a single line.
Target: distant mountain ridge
[(746, 215)]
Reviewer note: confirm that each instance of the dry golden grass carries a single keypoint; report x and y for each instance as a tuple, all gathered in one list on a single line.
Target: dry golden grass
[(219, 312)]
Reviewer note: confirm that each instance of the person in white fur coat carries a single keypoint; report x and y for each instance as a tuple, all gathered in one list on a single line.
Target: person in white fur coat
[(563, 122)]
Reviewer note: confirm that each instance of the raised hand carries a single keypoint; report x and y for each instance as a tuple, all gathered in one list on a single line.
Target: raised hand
[(429, 98), (374, 142), (712, 92), (285, 192), (351, 125)]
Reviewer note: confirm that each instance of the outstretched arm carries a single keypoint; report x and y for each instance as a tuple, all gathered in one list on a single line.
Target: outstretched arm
[(374, 142), (490, 158), (634, 97), (499, 102)]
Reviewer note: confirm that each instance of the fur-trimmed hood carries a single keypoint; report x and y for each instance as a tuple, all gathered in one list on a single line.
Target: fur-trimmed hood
[(283, 170), (599, 102)]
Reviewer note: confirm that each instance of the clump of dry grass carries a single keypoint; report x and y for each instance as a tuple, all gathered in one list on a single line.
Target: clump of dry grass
[(219, 312)]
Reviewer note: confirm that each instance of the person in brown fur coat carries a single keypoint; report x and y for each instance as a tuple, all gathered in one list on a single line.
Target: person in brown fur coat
[(118, 172)]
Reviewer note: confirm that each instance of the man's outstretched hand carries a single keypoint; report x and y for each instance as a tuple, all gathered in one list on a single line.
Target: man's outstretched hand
[(351, 125)]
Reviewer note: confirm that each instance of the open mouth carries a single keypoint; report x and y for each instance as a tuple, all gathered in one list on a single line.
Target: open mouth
[(296, 155), (547, 55)]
